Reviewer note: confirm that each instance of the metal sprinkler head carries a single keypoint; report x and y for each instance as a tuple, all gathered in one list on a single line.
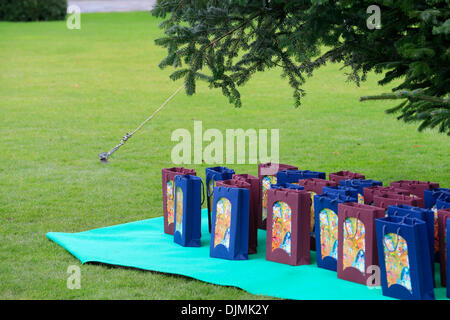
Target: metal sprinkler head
[(103, 157)]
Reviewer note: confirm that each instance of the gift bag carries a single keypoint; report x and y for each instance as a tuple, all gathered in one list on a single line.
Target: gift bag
[(168, 191), (426, 216), (447, 262), (371, 192), (358, 248), (343, 191), (286, 186), (188, 207), (391, 199), (212, 175), (255, 207), (431, 196), (326, 216), (443, 202), (252, 231), (416, 188), (360, 184), (344, 175), (230, 216), (292, 176), (404, 255), (287, 238), (267, 174), (314, 186), (443, 215)]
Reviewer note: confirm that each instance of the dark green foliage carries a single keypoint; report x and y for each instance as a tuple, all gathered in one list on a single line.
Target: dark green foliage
[(226, 42), (32, 10)]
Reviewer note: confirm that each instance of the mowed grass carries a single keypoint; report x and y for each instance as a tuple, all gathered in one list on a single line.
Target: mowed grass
[(67, 95)]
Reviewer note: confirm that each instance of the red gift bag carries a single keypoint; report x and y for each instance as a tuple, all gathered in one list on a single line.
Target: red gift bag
[(267, 174), (443, 215), (415, 188), (370, 192), (314, 186), (357, 244), (344, 175), (252, 232), (168, 191), (288, 226), (391, 199), (255, 205)]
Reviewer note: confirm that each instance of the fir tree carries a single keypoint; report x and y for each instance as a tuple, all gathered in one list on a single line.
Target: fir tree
[(226, 41)]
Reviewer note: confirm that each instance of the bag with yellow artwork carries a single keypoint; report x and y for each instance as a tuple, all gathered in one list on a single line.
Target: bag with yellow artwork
[(168, 191), (357, 250), (230, 219), (188, 207), (404, 254)]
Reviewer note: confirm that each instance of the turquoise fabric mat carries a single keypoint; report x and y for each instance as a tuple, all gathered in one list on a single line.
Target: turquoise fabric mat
[(144, 245)]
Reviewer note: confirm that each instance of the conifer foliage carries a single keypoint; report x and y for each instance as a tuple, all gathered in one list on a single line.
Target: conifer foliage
[(226, 41)]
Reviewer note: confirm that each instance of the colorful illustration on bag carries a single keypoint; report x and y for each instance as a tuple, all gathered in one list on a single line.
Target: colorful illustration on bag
[(281, 226), (267, 181), (312, 193), (354, 246), (170, 202), (360, 198), (396, 260), (223, 223), (211, 185), (328, 233), (436, 229), (179, 212)]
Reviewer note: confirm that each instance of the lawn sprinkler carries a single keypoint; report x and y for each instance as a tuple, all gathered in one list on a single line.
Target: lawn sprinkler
[(104, 156)]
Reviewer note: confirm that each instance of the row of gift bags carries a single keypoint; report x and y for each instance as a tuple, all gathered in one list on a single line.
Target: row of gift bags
[(405, 239)]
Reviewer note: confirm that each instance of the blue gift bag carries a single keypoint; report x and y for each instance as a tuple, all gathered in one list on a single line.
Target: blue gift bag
[(427, 216), (326, 228), (292, 176), (230, 220), (286, 186), (431, 196), (212, 175), (188, 205), (404, 256), (360, 184), (343, 191), (443, 201), (448, 260)]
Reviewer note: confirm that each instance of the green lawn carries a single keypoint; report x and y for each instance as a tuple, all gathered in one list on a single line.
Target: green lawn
[(67, 95)]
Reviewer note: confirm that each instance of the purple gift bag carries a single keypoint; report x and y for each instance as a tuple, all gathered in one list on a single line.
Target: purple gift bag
[(168, 191), (288, 227), (267, 174), (443, 215), (371, 192), (344, 175)]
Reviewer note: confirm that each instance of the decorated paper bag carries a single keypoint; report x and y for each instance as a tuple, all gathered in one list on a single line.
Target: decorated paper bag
[(267, 174), (391, 199), (287, 238), (371, 192), (314, 186), (326, 216), (443, 215), (404, 255), (168, 191), (431, 196), (230, 216), (448, 253), (360, 185), (212, 175), (188, 203), (358, 248), (415, 188), (426, 216), (292, 176), (344, 175), (343, 191), (255, 207), (252, 231)]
